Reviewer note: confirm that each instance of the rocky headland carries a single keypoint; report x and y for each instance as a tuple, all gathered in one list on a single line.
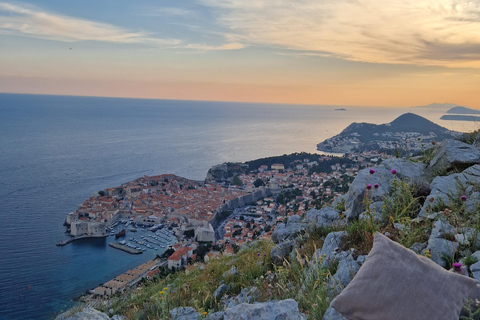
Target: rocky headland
[(407, 132)]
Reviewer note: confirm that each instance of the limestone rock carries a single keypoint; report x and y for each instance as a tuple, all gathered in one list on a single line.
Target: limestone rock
[(454, 154), (184, 313), (439, 248), (330, 247), (361, 259), (215, 316), (355, 197), (444, 187), (287, 231), (346, 270), (375, 212), (219, 292), (418, 247), (325, 217), (475, 268), (269, 310), (230, 273), (247, 295), (443, 229), (407, 170), (86, 314), (281, 251), (332, 314)]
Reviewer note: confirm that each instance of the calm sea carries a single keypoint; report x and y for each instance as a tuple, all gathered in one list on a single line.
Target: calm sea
[(57, 151)]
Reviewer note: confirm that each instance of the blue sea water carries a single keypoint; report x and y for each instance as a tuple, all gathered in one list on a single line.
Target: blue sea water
[(56, 151)]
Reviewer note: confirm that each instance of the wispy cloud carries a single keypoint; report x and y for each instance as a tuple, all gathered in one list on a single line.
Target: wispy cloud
[(33, 22), (28, 21), (170, 12), (204, 47), (422, 32)]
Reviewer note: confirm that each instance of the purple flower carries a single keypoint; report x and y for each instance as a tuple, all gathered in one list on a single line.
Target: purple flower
[(463, 198), (258, 254), (264, 254), (369, 186), (393, 171), (375, 185), (457, 265), (372, 171)]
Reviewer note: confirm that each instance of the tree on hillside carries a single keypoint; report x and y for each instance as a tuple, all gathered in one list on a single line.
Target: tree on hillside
[(258, 183)]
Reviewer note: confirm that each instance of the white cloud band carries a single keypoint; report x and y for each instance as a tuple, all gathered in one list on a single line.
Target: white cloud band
[(424, 32)]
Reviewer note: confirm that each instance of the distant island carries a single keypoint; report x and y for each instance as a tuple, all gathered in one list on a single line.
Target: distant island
[(340, 109), (408, 131), (458, 117), (459, 113), (463, 110)]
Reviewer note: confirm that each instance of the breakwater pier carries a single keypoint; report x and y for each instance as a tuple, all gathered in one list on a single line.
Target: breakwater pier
[(124, 248)]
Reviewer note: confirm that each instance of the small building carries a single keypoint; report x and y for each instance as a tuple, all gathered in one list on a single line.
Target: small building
[(205, 233), (277, 166)]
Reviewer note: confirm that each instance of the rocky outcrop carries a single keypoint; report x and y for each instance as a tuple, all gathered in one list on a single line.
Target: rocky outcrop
[(454, 155), (85, 314), (219, 292), (444, 189), (232, 272), (330, 248), (332, 314), (281, 251), (247, 295), (325, 217), (289, 230), (184, 313), (355, 197), (284, 309)]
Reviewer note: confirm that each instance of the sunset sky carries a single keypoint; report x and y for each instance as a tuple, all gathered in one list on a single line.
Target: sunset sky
[(340, 52)]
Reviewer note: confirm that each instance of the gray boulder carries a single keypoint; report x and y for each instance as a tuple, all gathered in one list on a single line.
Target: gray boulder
[(453, 155), (375, 212), (475, 268), (413, 172), (269, 310), (355, 197), (332, 314), (294, 219), (443, 229), (219, 292), (325, 217), (184, 313), (346, 270), (86, 314), (418, 247), (330, 248), (361, 259), (281, 251), (231, 272), (443, 188), (439, 248), (288, 231), (247, 295), (215, 316)]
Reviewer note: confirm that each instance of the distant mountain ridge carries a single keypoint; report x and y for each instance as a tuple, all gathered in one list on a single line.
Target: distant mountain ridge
[(408, 130)]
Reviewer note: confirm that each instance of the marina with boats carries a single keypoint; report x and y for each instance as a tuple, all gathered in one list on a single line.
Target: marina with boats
[(156, 238)]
